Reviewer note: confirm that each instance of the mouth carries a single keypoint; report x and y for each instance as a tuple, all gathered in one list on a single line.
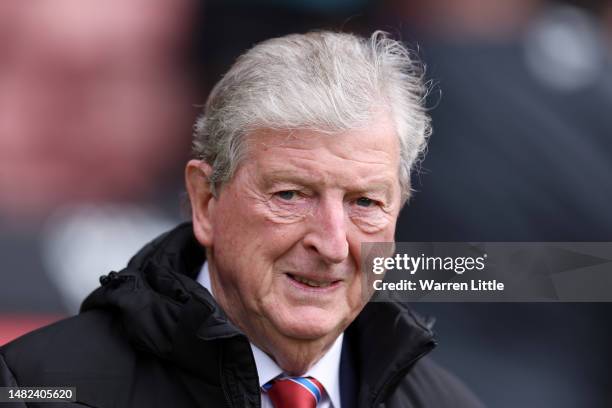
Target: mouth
[(314, 284)]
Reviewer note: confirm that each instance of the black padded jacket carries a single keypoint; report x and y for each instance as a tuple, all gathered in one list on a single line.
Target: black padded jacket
[(151, 336)]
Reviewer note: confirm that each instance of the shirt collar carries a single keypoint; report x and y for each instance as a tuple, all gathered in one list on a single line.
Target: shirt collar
[(326, 370)]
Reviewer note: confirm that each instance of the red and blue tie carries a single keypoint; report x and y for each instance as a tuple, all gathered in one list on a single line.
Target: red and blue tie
[(294, 392)]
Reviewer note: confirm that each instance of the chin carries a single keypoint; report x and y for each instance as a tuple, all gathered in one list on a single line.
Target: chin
[(310, 325)]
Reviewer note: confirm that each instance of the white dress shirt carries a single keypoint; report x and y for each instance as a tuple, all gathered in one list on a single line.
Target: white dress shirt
[(326, 370)]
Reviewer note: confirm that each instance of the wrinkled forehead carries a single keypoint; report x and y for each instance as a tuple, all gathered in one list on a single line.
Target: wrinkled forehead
[(378, 136), (353, 157)]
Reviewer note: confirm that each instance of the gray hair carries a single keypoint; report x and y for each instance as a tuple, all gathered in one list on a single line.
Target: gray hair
[(324, 81)]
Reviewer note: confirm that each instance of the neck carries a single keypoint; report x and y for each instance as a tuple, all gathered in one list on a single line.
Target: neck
[(295, 357)]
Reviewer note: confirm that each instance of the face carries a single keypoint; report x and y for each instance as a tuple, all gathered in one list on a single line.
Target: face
[(284, 235)]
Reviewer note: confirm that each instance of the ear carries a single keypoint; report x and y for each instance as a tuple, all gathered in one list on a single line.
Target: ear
[(197, 175)]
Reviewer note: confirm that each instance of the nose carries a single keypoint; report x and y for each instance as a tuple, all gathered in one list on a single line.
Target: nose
[(327, 231)]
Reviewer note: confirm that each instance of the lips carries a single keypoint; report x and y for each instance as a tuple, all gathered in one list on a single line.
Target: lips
[(313, 282)]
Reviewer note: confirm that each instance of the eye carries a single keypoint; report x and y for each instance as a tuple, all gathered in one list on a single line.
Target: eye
[(365, 202), (286, 195)]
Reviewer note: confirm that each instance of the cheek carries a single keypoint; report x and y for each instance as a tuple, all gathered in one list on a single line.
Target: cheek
[(233, 219), (360, 234), (371, 223), (245, 237), (375, 222), (356, 238)]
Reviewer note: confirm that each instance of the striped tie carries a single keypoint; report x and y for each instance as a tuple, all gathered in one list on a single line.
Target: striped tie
[(294, 392)]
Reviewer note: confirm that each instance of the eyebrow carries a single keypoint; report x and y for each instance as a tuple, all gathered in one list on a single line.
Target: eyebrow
[(284, 176)]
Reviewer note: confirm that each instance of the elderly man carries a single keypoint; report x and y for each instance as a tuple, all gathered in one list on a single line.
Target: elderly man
[(304, 152)]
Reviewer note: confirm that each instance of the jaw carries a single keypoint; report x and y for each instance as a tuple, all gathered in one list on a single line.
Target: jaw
[(292, 343), (295, 345)]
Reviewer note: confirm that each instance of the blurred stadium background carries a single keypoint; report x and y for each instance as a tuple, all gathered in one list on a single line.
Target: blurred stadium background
[(97, 101)]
